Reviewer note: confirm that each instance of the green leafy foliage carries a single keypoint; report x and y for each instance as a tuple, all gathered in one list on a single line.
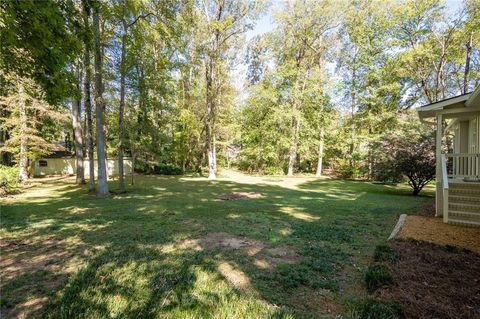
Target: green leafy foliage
[(9, 180), (167, 169), (371, 308), (377, 276), (384, 252)]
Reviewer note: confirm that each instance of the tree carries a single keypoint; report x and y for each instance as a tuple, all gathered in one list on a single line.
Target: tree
[(29, 116), (77, 129), (102, 189), (87, 36), (226, 20), (408, 151)]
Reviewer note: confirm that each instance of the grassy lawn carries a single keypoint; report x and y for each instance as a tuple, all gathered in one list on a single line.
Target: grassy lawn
[(171, 248)]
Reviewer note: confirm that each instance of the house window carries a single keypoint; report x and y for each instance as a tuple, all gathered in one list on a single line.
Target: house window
[(43, 163)]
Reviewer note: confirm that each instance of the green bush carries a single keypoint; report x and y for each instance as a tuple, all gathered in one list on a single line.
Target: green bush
[(167, 169), (386, 173), (141, 168), (9, 180), (274, 170), (375, 309), (385, 253), (377, 276), (347, 171)]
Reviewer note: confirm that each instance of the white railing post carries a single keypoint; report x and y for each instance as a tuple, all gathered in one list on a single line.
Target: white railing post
[(444, 187)]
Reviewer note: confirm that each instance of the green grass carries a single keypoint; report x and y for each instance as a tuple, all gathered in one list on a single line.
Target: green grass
[(112, 260)]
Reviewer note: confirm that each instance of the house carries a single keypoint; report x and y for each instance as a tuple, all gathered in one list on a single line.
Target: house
[(66, 165), (458, 157)]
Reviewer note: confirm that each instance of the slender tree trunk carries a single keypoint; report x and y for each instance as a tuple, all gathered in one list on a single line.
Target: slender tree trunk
[(352, 114), (23, 162), (210, 121), (294, 146), (88, 101), (296, 122), (77, 132), (320, 153), (467, 63), (121, 179), (99, 108)]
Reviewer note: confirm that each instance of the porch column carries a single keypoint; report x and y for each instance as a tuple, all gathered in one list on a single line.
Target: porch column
[(438, 171)]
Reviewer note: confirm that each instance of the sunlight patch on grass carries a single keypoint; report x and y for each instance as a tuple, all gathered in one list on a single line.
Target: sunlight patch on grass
[(299, 215)]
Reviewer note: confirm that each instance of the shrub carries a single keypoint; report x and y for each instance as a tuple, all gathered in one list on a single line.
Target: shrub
[(411, 155), (273, 170), (9, 180), (377, 276), (385, 253), (376, 309), (386, 173), (167, 169)]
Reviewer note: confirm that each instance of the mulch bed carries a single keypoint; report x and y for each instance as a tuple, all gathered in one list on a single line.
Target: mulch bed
[(434, 230), (433, 281)]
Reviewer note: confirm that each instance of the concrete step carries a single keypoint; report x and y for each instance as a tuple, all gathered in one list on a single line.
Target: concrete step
[(461, 207), (463, 222), (454, 198)]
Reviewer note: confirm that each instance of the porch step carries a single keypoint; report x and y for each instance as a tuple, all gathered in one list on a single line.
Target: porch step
[(461, 191), (461, 199), (463, 215), (463, 222), (473, 208), (464, 185)]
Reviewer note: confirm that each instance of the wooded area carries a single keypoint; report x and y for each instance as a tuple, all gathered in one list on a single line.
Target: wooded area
[(331, 85)]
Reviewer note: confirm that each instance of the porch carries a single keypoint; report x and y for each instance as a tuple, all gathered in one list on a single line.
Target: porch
[(457, 157), (461, 188)]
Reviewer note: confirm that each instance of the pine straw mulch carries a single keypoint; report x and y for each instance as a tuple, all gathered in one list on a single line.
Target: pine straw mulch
[(434, 230), (433, 281)]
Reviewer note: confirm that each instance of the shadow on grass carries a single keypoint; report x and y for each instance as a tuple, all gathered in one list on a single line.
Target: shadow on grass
[(118, 240)]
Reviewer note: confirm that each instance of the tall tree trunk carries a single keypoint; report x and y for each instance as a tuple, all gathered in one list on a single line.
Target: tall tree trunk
[(102, 189), (88, 101), (352, 114), (320, 153), (121, 133), (467, 63), (23, 162), (77, 133), (210, 120)]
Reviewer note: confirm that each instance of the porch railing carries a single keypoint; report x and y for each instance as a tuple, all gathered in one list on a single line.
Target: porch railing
[(443, 163), (463, 165)]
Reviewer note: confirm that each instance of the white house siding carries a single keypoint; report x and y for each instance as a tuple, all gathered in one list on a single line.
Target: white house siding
[(67, 166)]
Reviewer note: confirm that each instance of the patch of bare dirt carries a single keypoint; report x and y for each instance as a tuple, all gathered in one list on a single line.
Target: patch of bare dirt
[(319, 302), (436, 231), (265, 255), (432, 281), (240, 195)]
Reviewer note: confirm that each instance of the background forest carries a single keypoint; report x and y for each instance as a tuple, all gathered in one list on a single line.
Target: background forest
[(184, 85)]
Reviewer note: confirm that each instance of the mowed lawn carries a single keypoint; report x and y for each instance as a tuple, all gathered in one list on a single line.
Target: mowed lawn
[(172, 247)]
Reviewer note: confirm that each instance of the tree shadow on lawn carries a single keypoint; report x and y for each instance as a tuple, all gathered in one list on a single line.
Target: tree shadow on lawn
[(118, 241)]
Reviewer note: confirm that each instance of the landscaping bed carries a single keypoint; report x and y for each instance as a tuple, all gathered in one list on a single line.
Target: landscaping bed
[(431, 229), (432, 281)]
